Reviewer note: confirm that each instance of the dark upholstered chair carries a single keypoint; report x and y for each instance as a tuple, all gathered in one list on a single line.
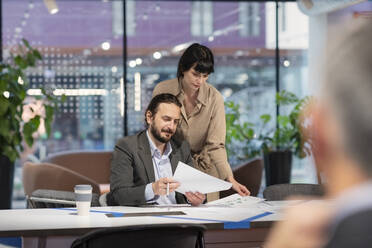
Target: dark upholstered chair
[(164, 236), (248, 174), (44, 198), (279, 192)]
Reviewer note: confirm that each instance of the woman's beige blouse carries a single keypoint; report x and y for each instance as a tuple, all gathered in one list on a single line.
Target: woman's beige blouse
[(204, 129)]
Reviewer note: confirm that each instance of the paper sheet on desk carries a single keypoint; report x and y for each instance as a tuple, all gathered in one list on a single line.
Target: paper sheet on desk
[(236, 200), (194, 180)]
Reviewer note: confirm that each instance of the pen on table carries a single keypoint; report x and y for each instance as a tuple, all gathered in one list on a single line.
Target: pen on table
[(167, 189)]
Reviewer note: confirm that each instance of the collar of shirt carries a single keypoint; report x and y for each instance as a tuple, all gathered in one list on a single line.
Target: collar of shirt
[(155, 152), (162, 168), (202, 96)]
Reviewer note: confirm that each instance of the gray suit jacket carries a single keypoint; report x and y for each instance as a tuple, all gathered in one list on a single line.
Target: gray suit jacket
[(352, 231), (132, 169)]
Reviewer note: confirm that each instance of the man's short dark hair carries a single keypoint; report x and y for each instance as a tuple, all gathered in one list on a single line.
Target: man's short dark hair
[(161, 98), (198, 55)]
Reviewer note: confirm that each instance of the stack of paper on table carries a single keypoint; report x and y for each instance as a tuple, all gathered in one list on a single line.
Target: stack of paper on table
[(237, 200), (193, 180)]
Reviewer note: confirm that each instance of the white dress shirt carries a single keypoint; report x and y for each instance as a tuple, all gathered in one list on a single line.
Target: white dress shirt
[(162, 168)]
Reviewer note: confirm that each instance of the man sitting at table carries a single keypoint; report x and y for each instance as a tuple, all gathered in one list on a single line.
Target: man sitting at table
[(143, 164)]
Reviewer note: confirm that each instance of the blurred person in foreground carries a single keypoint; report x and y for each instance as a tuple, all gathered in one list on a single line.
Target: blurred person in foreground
[(342, 134), (142, 165)]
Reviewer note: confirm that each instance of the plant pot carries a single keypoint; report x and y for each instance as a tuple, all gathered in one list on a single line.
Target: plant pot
[(6, 182), (278, 167)]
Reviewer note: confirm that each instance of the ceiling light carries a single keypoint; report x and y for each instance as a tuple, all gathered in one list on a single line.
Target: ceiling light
[(181, 47), (132, 63), (315, 7), (157, 55), (51, 6), (105, 45), (138, 61)]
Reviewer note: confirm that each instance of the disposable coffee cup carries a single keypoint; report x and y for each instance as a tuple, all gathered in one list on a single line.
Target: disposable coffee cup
[(83, 198)]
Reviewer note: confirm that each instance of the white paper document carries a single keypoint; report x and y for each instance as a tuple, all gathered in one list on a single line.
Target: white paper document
[(236, 200), (196, 181)]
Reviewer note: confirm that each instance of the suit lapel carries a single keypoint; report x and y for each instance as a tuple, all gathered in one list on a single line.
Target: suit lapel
[(144, 154), (174, 157)]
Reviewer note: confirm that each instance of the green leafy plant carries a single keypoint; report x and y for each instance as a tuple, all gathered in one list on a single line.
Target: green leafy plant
[(257, 138), (287, 136), (13, 92), (238, 131)]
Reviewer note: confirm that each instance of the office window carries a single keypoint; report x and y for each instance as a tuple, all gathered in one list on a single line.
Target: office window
[(244, 66), (249, 18), (201, 18), (82, 58), (117, 18), (294, 45), (282, 17)]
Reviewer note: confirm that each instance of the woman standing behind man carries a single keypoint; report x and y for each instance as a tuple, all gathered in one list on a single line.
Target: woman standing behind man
[(203, 122)]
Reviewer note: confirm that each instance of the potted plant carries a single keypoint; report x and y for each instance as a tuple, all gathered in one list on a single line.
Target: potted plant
[(275, 144), (240, 135), (15, 131)]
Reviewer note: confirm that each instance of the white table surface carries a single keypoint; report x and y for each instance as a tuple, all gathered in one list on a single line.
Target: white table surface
[(23, 220)]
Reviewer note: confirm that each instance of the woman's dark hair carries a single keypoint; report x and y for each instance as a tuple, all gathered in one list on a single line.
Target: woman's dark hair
[(161, 98), (198, 55)]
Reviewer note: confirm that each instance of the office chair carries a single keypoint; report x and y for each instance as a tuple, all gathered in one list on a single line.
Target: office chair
[(165, 236), (279, 192), (95, 165), (249, 174), (45, 198), (53, 177)]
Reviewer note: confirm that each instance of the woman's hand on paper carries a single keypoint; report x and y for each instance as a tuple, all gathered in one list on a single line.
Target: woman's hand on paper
[(239, 188)]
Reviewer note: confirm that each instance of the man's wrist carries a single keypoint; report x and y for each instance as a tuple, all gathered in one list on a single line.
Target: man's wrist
[(149, 193), (153, 187)]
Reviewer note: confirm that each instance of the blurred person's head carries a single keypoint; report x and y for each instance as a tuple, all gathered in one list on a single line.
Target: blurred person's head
[(162, 117), (195, 65), (342, 118)]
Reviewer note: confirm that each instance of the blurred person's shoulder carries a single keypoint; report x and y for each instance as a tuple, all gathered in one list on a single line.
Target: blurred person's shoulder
[(352, 231)]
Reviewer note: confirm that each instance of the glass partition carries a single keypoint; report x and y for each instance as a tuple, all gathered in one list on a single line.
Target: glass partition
[(85, 58), (82, 48), (237, 34), (293, 33)]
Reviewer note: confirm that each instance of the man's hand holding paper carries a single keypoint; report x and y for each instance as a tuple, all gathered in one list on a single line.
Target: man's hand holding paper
[(164, 186), (193, 180), (190, 182)]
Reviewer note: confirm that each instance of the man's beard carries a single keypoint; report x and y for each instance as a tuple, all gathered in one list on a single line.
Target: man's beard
[(157, 135)]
